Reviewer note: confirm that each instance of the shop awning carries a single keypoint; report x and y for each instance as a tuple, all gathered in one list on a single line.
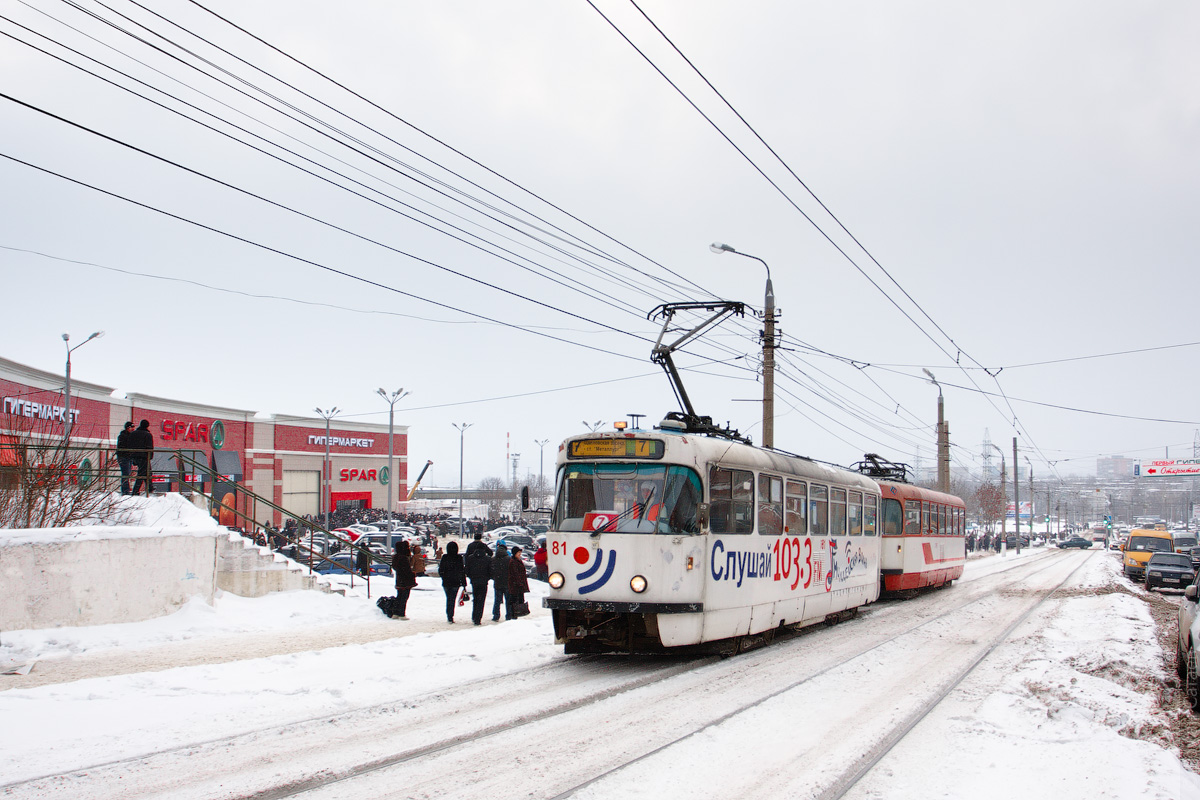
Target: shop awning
[(196, 470), (227, 465)]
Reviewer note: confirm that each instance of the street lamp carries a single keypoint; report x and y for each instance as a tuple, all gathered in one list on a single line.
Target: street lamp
[(391, 400), (541, 443), (1004, 501), (67, 389), (593, 426), (325, 495), (943, 439), (1031, 499), (462, 429), (768, 341)]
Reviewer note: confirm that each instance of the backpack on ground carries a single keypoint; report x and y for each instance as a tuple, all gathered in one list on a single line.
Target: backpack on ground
[(386, 605)]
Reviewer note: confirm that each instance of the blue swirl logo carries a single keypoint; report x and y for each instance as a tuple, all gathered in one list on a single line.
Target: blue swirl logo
[(594, 568)]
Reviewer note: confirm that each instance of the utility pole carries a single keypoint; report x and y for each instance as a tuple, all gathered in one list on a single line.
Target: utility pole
[(1017, 497), (943, 439), (768, 345)]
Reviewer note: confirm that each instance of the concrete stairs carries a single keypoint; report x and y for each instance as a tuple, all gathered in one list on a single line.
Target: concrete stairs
[(248, 570)]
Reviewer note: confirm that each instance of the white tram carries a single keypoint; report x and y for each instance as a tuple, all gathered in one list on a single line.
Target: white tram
[(665, 540)]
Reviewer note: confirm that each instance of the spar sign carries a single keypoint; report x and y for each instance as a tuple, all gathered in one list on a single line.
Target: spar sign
[(1167, 468)]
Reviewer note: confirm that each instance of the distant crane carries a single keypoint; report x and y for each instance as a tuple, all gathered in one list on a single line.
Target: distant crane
[(417, 482)]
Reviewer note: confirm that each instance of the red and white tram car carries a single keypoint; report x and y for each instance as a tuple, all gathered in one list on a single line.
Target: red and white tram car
[(924, 537), (664, 540)]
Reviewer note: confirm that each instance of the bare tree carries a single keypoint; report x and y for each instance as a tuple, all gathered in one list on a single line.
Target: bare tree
[(499, 495), (46, 483), (992, 504)]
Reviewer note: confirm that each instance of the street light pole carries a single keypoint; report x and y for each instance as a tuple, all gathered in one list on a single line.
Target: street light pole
[(1031, 495), (326, 497), (67, 386), (462, 429), (768, 346), (1003, 504), (1017, 497), (391, 399), (541, 443), (943, 439)]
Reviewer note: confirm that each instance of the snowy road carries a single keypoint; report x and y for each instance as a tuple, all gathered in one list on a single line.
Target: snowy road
[(513, 718)]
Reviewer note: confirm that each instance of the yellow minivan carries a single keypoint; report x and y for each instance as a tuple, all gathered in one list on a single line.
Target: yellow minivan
[(1141, 544)]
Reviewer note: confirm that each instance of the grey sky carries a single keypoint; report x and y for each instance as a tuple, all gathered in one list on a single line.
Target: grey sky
[(1027, 172)]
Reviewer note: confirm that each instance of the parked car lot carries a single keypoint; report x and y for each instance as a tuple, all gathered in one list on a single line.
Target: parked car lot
[(343, 564), (1169, 571), (1076, 541)]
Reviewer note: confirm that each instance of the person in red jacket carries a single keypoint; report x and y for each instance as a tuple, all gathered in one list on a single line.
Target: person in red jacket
[(540, 563)]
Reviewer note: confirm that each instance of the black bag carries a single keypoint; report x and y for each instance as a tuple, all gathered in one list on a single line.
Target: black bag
[(521, 609), (386, 605)]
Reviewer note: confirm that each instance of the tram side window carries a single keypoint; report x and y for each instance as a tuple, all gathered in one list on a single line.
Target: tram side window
[(770, 505), (732, 506), (854, 514), (796, 505), (893, 518), (837, 512), (927, 524), (818, 509), (870, 512), (943, 525), (912, 518)]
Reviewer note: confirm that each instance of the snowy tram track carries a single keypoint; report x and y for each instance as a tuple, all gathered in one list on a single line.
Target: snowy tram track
[(699, 727), (591, 726)]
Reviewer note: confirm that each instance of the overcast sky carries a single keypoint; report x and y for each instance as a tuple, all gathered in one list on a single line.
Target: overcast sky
[(1024, 176)]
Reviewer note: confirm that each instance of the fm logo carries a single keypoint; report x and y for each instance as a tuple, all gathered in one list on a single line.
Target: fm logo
[(582, 556)]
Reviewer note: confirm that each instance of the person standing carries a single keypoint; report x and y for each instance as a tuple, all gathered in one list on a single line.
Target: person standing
[(405, 580), (479, 571), (499, 580), (454, 577), (141, 443), (518, 582), (125, 455)]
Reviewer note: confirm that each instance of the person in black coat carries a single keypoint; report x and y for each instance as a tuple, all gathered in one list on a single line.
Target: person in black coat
[(405, 580), (125, 456), (141, 443), (479, 571), (499, 580), (454, 577)]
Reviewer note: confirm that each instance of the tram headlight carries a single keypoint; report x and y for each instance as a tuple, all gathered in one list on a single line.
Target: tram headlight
[(638, 584), (556, 580)]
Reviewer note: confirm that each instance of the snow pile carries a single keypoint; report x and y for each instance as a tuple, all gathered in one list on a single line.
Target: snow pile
[(157, 515)]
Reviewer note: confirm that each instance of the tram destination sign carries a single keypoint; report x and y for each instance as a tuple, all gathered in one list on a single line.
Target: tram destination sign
[(1172, 468), (616, 448)]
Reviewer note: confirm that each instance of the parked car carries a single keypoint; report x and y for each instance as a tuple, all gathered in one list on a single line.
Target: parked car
[(1169, 570), (1195, 556), (1186, 650), (343, 564), (1076, 541)]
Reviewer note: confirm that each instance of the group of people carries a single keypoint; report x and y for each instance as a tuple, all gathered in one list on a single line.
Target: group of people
[(479, 567), (134, 448)]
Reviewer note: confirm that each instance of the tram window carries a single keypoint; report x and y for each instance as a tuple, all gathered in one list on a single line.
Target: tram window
[(732, 495), (796, 504), (927, 524), (943, 527), (912, 518), (837, 512), (770, 505), (893, 518), (870, 509), (633, 498), (818, 509), (854, 514)]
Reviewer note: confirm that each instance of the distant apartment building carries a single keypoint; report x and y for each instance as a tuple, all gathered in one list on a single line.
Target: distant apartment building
[(1114, 467)]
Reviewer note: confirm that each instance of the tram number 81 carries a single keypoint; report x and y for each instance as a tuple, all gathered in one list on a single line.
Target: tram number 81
[(788, 563)]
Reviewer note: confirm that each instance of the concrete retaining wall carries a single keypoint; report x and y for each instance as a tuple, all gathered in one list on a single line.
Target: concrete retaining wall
[(96, 580)]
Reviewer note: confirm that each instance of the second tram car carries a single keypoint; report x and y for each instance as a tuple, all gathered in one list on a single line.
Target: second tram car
[(663, 540), (923, 535)]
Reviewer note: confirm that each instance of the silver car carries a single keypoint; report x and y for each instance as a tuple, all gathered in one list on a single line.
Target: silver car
[(1186, 649)]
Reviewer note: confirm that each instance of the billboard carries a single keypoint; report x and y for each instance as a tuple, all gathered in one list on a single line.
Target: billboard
[(1171, 468)]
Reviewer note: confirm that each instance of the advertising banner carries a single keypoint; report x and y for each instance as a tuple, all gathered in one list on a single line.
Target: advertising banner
[(1172, 468)]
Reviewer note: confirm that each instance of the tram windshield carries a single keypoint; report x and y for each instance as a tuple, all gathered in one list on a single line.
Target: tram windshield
[(628, 498)]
